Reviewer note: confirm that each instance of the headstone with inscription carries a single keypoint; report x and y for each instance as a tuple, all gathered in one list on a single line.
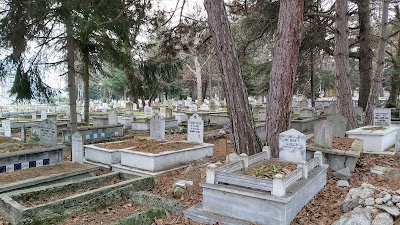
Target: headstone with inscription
[(382, 117), (46, 131), (129, 108), (113, 118), (148, 111), (292, 146), (157, 127), (340, 124), (43, 115), (323, 134), (195, 131), (6, 124), (77, 147)]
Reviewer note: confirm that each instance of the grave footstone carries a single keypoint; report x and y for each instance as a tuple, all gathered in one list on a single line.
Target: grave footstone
[(77, 147), (195, 131), (382, 117), (340, 124), (6, 124), (323, 134), (292, 146), (43, 115), (157, 127), (113, 118), (46, 131)]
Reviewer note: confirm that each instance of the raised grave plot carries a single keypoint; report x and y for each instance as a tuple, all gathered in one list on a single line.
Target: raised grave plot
[(376, 138), (344, 153), (95, 132), (232, 197), (304, 124), (54, 202), (144, 124), (44, 175), (24, 156)]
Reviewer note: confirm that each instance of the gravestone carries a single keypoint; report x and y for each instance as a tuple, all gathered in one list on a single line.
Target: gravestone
[(23, 134), (129, 108), (331, 109), (323, 134), (204, 107), (148, 111), (359, 111), (382, 117), (168, 113), (43, 115), (193, 108), (292, 146), (306, 113), (34, 115), (79, 118), (195, 131), (6, 124), (397, 142), (157, 127), (303, 103), (113, 118), (340, 124), (46, 131), (297, 110), (77, 147), (163, 112)]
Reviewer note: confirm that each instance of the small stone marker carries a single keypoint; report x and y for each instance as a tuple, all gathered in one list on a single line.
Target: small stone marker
[(34, 115), (193, 108), (46, 130), (306, 113), (129, 108), (157, 127), (6, 124), (23, 134), (262, 114), (223, 147), (323, 134), (195, 131), (148, 111), (113, 118), (304, 103), (43, 115), (77, 147), (382, 117), (78, 118), (340, 124), (292, 146), (233, 157)]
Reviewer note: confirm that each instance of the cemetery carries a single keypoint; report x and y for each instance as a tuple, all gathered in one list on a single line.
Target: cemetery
[(204, 112)]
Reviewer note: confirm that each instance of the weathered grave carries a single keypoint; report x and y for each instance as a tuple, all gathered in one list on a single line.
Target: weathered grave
[(262, 114), (46, 132), (43, 115), (304, 103), (193, 108), (113, 118), (77, 147), (6, 124), (129, 108), (157, 127), (323, 134), (23, 134), (148, 111), (340, 124), (331, 109), (78, 118), (292, 146), (306, 113), (382, 117), (195, 131)]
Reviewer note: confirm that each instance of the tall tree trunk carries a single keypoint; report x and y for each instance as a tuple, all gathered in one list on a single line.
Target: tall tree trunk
[(394, 90), (376, 84), (366, 53), (283, 71), (342, 80), (85, 79), (133, 81), (312, 78), (71, 78), (199, 85), (242, 124)]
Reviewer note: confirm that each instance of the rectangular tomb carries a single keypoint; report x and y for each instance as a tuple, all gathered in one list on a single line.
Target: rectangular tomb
[(376, 138)]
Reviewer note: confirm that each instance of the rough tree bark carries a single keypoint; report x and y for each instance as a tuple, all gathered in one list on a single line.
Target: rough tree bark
[(376, 83), (85, 79), (312, 78), (71, 78), (342, 80), (283, 71), (394, 89), (366, 53), (242, 123)]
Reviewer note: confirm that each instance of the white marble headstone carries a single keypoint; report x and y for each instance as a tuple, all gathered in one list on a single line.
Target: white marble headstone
[(157, 127), (77, 147), (129, 108), (43, 115), (292, 146), (193, 108), (382, 117), (113, 118), (34, 115), (79, 118), (6, 124), (148, 111), (195, 130)]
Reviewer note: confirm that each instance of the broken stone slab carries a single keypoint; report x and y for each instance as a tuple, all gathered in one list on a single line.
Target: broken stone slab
[(342, 183), (392, 210), (233, 157), (343, 174), (379, 169), (356, 216), (349, 205), (182, 183), (395, 198), (383, 219)]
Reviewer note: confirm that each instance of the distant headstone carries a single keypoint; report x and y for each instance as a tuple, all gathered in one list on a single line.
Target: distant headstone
[(340, 124), (113, 118), (6, 124), (323, 134), (168, 113), (262, 114), (304, 103), (193, 108), (292, 146), (397, 142), (297, 110), (23, 134), (195, 131), (34, 115), (233, 157), (129, 108), (157, 127), (163, 112), (382, 117), (306, 113), (148, 111), (79, 118), (359, 111), (204, 107), (43, 115), (331, 109), (46, 131), (77, 147)]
